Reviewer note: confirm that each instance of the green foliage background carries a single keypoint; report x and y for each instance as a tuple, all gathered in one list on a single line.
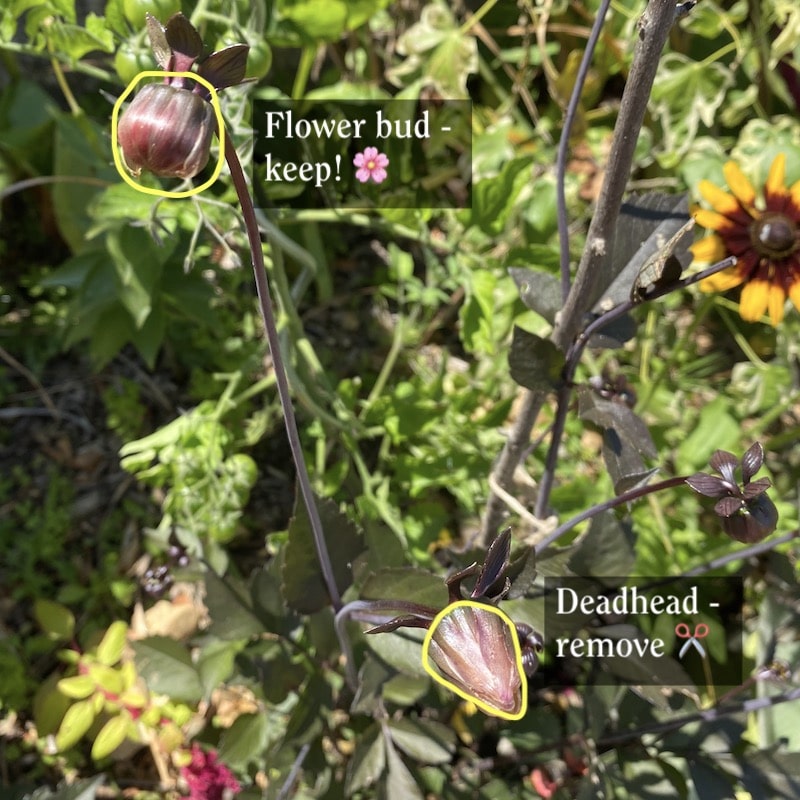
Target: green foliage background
[(397, 327)]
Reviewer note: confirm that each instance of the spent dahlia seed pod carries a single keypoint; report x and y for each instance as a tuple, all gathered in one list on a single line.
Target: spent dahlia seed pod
[(474, 649)]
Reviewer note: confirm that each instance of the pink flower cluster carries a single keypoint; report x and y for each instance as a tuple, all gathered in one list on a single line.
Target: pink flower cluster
[(206, 778)]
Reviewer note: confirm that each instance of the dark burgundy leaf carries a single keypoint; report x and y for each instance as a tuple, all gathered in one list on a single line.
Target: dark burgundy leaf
[(535, 363), (404, 621), (226, 67), (495, 564), (725, 463), (540, 291), (752, 461), (708, 485), (613, 335), (158, 41), (729, 506), (756, 488), (183, 38)]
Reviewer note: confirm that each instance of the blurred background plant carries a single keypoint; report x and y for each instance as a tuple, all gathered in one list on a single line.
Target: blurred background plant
[(128, 327)]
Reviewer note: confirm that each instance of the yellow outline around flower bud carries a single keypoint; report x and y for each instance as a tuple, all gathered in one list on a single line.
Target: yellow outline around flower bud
[(118, 161), (485, 707)]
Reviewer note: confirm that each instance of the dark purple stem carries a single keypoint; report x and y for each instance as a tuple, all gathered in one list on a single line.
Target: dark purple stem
[(573, 358), (625, 497), (268, 317), (563, 146)]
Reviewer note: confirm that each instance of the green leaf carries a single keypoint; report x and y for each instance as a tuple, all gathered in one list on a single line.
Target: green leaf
[(111, 736), (399, 780), (249, 738), (368, 761), (80, 790), (76, 723), (605, 550), (77, 687), (167, 667), (82, 152), (327, 20), (137, 261), (687, 94), (406, 583), (55, 620), (438, 50), (216, 663), (535, 363), (75, 41), (110, 649), (303, 586), (493, 199), (427, 741), (232, 616), (715, 429)]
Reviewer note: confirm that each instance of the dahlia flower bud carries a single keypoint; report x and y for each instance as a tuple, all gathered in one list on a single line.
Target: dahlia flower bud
[(167, 131), (474, 649)]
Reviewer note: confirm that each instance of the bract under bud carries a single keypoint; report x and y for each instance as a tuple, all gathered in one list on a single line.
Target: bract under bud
[(166, 130), (474, 649)]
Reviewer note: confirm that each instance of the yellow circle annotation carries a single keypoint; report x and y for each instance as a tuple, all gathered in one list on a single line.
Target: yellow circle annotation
[(483, 706), (118, 162)]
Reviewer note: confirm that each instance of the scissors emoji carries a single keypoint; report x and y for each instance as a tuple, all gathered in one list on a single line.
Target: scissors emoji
[(700, 632)]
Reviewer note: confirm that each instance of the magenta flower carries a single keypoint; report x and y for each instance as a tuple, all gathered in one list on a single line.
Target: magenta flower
[(206, 778), (371, 164)]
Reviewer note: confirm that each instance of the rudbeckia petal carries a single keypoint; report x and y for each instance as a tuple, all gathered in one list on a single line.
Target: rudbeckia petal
[(777, 176), (754, 299), (738, 184), (794, 293), (711, 219), (708, 250), (721, 281), (720, 200), (775, 303)]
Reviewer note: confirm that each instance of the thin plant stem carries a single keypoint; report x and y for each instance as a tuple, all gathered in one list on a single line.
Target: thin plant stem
[(475, 18), (563, 146), (625, 497), (573, 358), (273, 338)]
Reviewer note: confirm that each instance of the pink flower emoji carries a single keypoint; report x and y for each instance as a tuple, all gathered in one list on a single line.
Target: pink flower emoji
[(371, 164), (207, 778)]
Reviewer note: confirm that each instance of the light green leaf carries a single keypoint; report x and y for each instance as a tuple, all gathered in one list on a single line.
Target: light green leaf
[(76, 723), (77, 687), (56, 621), (109, 651), (494, 198), (111, 736)]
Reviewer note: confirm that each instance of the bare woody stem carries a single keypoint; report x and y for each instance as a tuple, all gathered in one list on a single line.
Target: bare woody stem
[(595, 270), (268, 317)]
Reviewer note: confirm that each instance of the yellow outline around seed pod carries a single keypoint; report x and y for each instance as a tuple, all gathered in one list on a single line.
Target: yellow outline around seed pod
[(118, 162), (457, 689)]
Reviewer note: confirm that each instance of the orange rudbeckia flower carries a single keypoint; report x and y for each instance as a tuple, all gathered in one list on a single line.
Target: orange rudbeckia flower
[(763, 234)]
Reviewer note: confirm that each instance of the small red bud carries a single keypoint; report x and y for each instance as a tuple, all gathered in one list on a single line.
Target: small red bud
[(166, 130)]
